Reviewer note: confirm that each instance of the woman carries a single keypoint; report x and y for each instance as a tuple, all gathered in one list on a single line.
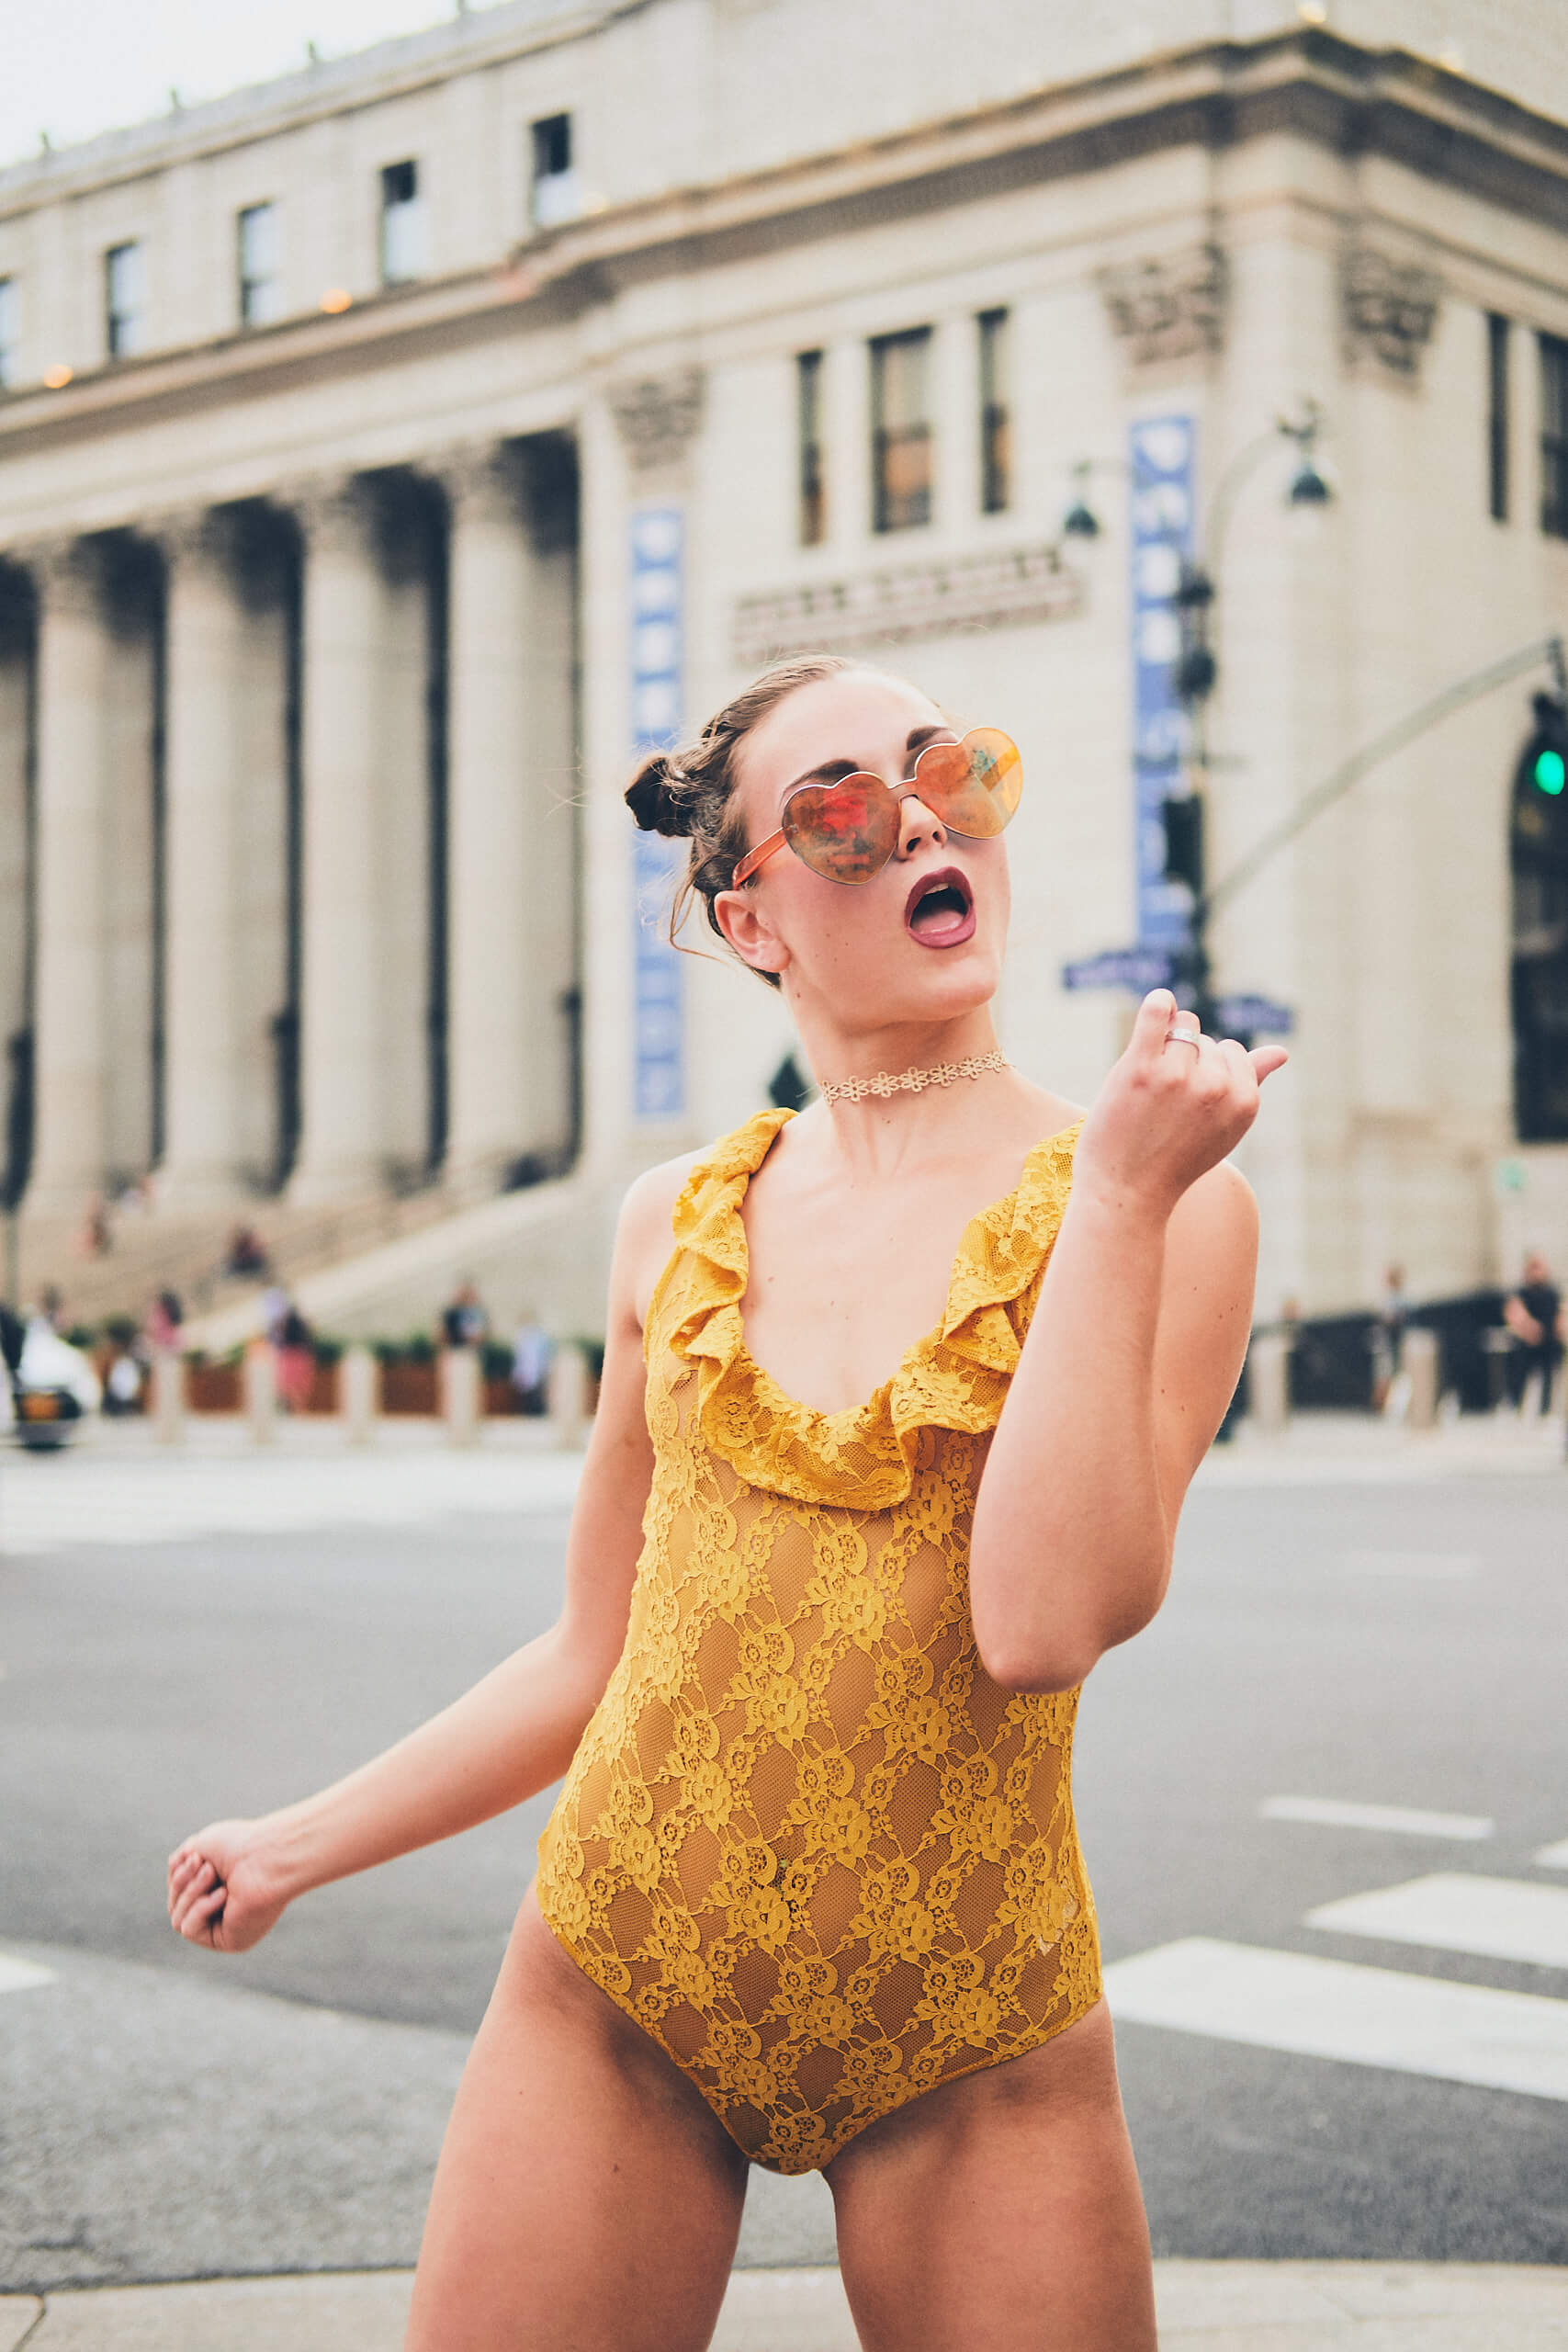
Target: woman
[(812, 1893)]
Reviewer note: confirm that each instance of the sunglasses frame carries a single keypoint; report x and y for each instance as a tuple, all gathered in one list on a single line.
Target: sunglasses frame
[(907, 790)]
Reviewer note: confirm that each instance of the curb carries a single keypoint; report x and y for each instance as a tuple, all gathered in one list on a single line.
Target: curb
[(1203, 2307)]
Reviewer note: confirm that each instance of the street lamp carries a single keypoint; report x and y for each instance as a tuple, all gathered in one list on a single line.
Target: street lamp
[(1195, 671)]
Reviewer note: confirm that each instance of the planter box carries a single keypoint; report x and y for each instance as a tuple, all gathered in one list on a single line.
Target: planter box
[(213, 1388), (408, 1389)]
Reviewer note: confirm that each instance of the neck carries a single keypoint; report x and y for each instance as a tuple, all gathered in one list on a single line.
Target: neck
[(918, 1119)]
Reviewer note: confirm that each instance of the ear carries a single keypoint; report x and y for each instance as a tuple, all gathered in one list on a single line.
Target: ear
[(746, 928)]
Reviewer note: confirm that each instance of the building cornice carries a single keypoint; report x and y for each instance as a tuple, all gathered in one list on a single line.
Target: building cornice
[(1309, 83), (332, 87)]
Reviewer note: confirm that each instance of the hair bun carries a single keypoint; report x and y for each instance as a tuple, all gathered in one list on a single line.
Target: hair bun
[(660, 797)]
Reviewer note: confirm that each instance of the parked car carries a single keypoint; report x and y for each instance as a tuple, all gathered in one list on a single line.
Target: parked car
[(52, 1386)]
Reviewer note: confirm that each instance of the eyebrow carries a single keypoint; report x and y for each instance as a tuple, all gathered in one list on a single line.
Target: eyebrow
[(834, 771)]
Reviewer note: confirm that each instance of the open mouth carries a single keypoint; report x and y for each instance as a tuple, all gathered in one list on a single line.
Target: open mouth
[(940, 910)]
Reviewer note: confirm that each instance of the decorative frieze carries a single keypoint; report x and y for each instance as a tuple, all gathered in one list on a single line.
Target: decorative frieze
[(1169, 305), (658, 416), (1389, 308), (1012, 587)]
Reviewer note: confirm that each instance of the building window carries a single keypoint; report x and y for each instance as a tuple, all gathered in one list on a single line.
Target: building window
[(1554, 435), (1497, 417), (402, 224), (996, 414), (808, 436), (554, 194), (260, 257), (8, 330), (125, 301), (1539, 856), (901, 432)]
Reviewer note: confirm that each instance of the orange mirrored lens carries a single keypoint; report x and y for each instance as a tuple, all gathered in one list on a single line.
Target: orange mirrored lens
[(974, 787), (845, 832)]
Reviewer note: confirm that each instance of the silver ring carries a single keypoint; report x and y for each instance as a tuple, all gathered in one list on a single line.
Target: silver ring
[(1185, 1037)]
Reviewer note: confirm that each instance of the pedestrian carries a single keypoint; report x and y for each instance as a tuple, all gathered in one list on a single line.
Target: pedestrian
[(531, 1353), (812, 1894), (1388, 1333), (464, 1322), (166, 1318), (1534, 1315), (295, 1349)]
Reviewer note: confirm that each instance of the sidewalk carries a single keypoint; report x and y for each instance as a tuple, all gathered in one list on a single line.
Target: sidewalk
[(1203, 2307)]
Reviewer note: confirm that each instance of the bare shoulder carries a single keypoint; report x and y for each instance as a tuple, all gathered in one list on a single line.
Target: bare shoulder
[(643, 1238), (1214, 1224)]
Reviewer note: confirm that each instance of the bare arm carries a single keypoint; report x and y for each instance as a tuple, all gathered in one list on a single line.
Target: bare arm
[(516, 1731), (1133, 1356)]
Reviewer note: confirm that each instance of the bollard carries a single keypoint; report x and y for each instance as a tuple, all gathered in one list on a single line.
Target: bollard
[(461, 1395), (168, 1399), (1268, 1381), (358, 1393), (568, 1393), (1418, 1363), (258, 1385)]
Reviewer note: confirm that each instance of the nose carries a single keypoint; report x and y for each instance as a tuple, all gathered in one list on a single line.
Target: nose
[(918, 826)]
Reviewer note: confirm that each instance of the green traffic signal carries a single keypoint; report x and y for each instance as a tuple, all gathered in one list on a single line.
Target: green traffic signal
[(1549, 773)]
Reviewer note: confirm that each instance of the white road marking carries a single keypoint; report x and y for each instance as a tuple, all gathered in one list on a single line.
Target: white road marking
[(1441, 1565), (1502, 1918), (1551, 1858), (15, 1975), (1337, 1812), (1363, 2017)]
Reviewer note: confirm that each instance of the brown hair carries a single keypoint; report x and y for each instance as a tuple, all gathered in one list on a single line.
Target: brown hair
[(690, 792)]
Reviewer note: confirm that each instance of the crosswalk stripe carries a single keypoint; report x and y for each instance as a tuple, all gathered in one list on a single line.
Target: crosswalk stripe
[(1363, 2017), (17, 1975), (1551, 1858), (1334, 1813), (1501, 1918)]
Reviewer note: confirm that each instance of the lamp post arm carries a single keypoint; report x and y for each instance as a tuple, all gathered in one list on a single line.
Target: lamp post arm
[(1372, 756), (1221, 507)]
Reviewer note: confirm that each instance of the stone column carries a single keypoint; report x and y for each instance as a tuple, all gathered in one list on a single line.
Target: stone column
[(205, 649), (510, 843), (488, 817), (340, 1130), (70, 1067)]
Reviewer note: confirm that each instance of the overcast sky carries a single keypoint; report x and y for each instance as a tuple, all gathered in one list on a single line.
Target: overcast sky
[(77, 67)]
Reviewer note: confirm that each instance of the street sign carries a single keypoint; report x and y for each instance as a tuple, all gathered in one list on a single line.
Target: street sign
[(1121, 967), (1252, 1013)]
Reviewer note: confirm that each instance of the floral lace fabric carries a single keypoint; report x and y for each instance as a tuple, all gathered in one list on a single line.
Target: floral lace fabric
[(807, 1842)]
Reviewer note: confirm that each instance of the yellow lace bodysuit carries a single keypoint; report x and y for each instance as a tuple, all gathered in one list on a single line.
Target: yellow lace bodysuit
[(807, 1842)]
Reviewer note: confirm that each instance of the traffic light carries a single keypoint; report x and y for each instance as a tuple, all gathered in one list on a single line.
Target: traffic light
[(1543, 762), (1183, 818)]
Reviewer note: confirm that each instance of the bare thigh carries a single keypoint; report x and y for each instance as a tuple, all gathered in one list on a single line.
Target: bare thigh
[(587, 2198), (1002, 2208)]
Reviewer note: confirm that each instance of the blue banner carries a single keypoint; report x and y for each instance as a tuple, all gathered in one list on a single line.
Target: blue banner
[(658, 981), (1160, 453)]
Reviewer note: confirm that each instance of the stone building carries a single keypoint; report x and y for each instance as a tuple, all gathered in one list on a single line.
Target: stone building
[(387, 453)]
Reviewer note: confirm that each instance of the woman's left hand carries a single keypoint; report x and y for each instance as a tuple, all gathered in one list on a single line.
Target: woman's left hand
[(1169, 1111)]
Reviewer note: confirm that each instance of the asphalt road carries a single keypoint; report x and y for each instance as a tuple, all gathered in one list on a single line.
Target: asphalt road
[(166, 2114)]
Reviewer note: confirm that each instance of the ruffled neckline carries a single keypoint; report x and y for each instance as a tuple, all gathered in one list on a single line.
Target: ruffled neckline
[(954, 1376)]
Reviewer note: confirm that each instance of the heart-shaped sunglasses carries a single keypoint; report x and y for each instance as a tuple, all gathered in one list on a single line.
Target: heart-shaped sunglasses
[(848, 830)]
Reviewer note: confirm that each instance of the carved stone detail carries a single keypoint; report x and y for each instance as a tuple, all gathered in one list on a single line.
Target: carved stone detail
[(1015, 587), (658, 415), (192, 533), (1167, 307), (1389, 308), (480, 478), (335, 512), (67, 573)]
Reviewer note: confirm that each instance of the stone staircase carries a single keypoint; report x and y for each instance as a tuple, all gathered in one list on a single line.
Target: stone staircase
[(151, 1250)]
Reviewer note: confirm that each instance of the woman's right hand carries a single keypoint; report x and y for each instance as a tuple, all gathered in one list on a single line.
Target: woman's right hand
[(221, 1892)]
